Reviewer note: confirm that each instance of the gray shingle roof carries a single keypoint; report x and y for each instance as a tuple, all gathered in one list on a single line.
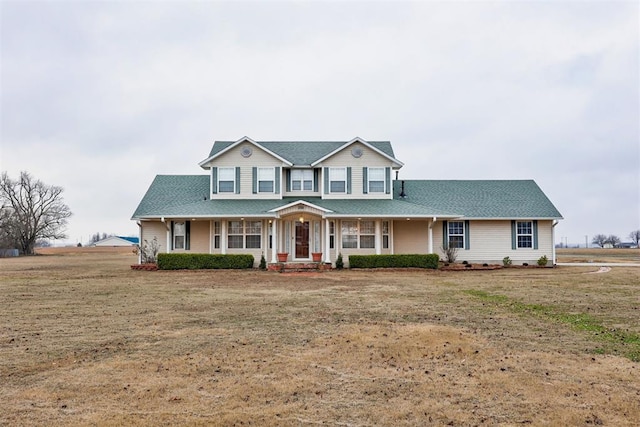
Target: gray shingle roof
[(302, 152), (481, 198), (188, 196)]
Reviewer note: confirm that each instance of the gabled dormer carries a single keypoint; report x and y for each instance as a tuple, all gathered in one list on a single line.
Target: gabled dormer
[(247, 169)]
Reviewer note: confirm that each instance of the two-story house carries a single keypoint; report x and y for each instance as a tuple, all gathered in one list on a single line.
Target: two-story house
[(330, 198)]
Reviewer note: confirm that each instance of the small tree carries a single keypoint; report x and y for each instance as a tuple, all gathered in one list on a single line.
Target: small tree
[(635, 237), (599, 240), (149, 251), (263, 263), (450, 253)]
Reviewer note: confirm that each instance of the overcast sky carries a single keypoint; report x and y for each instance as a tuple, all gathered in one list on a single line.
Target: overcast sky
[(99, 97)]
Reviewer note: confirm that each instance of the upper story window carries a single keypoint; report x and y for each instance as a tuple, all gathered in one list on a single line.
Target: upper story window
[(302, 180), (266, 178), (226, 180), (337, 180), (456, 234), (376, 180), (524, 234)]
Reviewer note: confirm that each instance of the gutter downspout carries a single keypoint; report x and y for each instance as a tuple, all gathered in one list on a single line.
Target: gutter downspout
[(553, 240), (139, 242), (431, 223)]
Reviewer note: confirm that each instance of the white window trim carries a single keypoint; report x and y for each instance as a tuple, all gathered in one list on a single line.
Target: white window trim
[(233, 172), (358, 234), (464, 237), (302, 179), (384, 180), (518, 234), (272, 173), (183, 225), (344, 170)]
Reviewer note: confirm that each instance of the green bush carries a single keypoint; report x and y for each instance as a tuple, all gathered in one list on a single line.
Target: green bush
[(506, 261), (339, 262), (183, 261), (542, 261), (394, 261)]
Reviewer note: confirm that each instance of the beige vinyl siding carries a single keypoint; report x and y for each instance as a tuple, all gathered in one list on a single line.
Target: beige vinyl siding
[(199, 237), (259, 158), (369, 158), (490, 242), (157, 229), (411, 237)]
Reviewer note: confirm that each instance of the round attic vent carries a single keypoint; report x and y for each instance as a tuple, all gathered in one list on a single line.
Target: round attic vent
[(356, 152), (246, 152)]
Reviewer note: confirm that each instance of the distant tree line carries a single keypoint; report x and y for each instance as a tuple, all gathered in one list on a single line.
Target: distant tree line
[(98, 236), (31, 212), (602, 240)]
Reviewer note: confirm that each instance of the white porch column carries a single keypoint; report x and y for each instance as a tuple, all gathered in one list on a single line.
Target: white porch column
[(223, 237), (326, 248), (274, 241), (378, 237), (431, 223)]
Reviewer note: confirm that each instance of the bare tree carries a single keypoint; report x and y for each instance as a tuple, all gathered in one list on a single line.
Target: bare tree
[(31, 210), (635, 237), (600, 240)]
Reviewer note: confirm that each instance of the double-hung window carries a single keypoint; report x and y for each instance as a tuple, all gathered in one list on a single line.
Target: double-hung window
[(338, 180), (179, 234), (226, 180), (302, 180), (376, 180), (253, 233), (236, 234), (385, 234), (350, 234), (367, 234), (524, 234), (456, 234), (266, 178)]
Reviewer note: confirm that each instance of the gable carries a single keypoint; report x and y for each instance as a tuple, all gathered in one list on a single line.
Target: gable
[(244, 148), (300, 153)]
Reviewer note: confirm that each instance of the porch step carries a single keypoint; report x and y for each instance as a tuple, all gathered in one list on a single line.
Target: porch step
[(289, 267)]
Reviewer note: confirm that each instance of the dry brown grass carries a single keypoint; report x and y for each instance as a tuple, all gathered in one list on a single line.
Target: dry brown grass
[(598, 255), (87, 341)]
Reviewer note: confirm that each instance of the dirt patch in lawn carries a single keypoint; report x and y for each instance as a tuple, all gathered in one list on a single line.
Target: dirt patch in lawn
[(85, 340)]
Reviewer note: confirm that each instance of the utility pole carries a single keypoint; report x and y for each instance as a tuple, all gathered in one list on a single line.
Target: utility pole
[(586, 241)]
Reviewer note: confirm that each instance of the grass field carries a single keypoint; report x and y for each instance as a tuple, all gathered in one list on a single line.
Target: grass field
[(598, 255), (84, 340)]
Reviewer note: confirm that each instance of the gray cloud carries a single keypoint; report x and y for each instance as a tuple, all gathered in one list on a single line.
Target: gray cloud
[(99, 97)]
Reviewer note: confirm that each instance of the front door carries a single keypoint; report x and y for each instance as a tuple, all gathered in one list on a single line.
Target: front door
[(302, 240)]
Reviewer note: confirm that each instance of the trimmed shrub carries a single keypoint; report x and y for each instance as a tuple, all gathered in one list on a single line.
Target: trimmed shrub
[(543, 260), (183, 261), (339, 262), (394, 261)]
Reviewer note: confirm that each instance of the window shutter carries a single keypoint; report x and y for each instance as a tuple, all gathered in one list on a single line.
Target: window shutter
[(187, 237), (467, 243), (254, 176), (365, 181), (276, 183), (387, 180), (326, 180), (287, 176), (535, 234), (316, 177), (514, 243), (237, 180), (445, 234), (171, 235), (214, 180), (349, 180)]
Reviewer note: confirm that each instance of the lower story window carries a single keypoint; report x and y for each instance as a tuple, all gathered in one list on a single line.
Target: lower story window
[(236, 235), (524, 234), (456, 234), (385, 234), (332, 235), (216, 235), (349, 234), (253, 234), (367, 234), (179, 233)]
